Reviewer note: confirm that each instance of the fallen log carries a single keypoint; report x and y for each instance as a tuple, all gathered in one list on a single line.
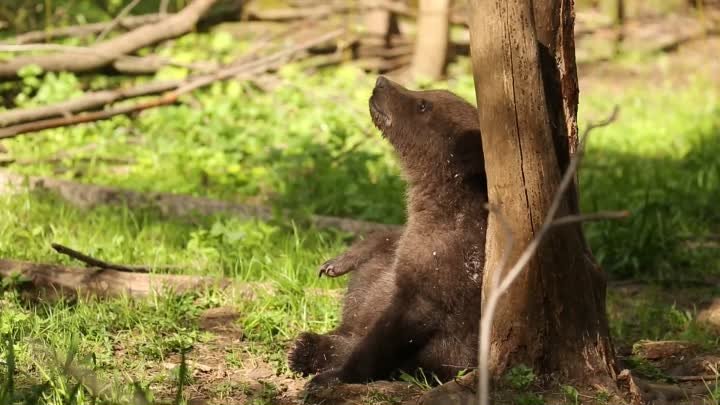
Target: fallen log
[(104, 53), (89, 195), (82, 30), (40, 118), (105, 283)]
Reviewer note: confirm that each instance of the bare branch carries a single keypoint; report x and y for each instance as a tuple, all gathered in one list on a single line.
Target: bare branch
[(93, 262), (596, 216), (114, 23), (242, 70), (498, 290), (108, 51), (86, 102), (81, 30)]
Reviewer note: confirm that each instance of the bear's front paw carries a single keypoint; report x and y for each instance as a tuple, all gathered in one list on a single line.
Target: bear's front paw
[(337, 266)]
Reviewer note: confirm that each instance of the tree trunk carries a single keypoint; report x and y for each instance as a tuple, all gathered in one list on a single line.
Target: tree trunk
[(432, 38), (553, 317), (620, 23)]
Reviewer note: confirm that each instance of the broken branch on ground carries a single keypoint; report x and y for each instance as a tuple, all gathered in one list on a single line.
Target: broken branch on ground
[(40, 118), (93, 262), (106, 52)]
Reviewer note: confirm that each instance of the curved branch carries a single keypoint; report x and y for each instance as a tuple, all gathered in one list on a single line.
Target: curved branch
[(104, 53)]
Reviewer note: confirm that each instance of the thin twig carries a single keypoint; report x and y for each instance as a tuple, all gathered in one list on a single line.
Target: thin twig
[(18, 48), (495, 294), (595, 216), (93, 262), (685, 378), (116, 21)]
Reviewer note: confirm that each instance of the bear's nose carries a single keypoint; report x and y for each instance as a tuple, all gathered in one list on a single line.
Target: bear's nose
[(381, 82)]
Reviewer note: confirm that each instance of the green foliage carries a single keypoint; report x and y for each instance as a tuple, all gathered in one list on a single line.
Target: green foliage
[(571, 394), (646, 369), (528, 398), (38, 89), (7, 382), (420, 379), (662, 167), (649, 316), (520, 377), (307, 147)]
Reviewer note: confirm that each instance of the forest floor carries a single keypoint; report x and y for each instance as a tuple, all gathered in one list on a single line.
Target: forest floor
[(309, 146)]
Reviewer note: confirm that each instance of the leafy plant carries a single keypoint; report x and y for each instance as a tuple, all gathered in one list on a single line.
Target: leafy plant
[(571, 394), (520, 377)]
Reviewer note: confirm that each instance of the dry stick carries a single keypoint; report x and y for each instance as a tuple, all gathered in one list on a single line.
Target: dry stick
[(124, 64), (130, 22), (93, 262), (99, 99), (264, 64), (498, 290), (703, 378), (83, 103), (595, 216), (108, 51), (114, 23)]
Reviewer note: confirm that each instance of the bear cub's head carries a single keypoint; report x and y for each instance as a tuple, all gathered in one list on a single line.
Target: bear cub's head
[(435, 133)]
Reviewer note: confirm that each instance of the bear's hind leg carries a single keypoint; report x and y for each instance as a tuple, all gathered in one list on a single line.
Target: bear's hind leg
[(312, 353)]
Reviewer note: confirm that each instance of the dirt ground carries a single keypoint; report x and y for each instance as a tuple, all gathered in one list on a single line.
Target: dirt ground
[(225, 370)]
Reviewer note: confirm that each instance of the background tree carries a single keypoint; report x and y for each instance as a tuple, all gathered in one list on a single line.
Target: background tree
[(432, 38)]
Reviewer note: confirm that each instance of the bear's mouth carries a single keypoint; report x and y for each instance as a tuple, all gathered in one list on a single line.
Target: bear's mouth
[(379, 118)]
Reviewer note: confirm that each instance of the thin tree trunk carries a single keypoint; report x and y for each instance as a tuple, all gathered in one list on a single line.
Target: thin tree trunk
[(553, 318), (432, 38), (620, 23)]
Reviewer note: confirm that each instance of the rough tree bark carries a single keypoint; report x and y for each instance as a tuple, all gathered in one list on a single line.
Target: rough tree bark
[(553, 318), (432, 38)]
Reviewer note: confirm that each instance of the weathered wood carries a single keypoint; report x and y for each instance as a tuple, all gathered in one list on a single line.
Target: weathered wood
[(104, 283), (553, 317), (88, 101), (129, 22), (45, 116), (104, 53)]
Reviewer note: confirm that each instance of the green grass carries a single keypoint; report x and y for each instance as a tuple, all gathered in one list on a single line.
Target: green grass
[(659, 160), (309, 146)]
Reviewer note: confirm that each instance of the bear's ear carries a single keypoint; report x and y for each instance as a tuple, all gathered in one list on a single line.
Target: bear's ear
[(468, 149)]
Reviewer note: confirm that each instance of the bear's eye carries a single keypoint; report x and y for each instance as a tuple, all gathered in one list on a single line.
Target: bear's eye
[(423, 106)]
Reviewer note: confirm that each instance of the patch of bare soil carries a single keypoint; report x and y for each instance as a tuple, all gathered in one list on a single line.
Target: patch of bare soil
[(225, 370)]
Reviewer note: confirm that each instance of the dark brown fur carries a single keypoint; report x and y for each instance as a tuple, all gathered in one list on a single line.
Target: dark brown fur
[(419, 305)]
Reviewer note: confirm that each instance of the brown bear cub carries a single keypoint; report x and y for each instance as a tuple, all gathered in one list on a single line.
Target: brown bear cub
[(415, 295)]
